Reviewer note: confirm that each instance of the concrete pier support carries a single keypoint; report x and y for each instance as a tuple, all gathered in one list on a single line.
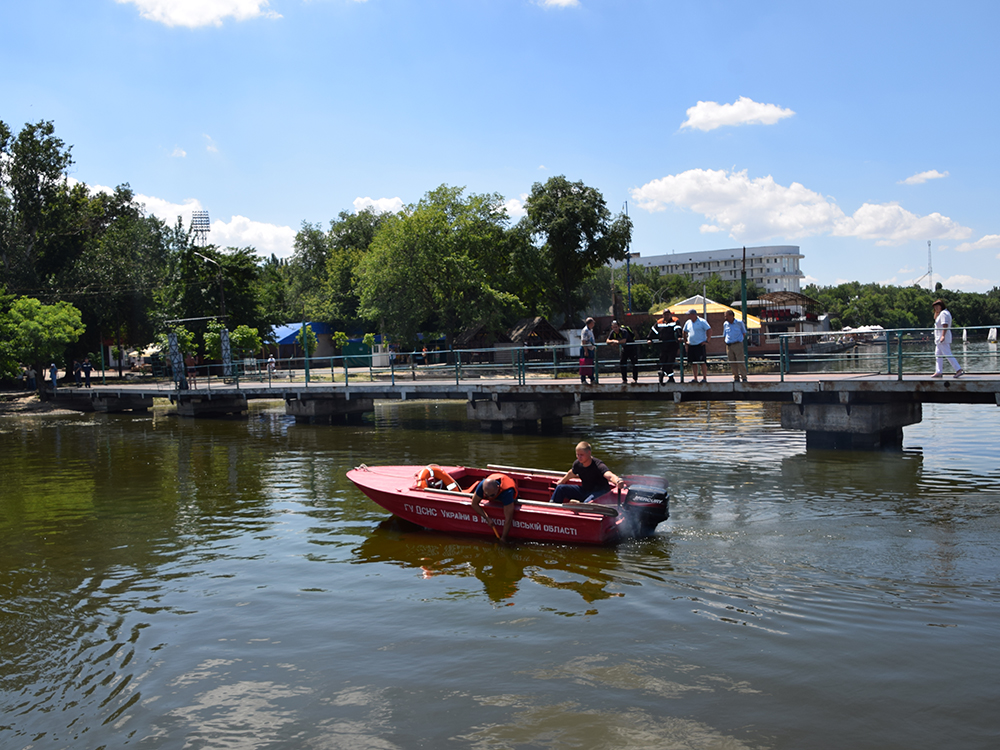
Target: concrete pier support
[(331, 408), (122, 402), (211, 405), (524, 415), (82, 399), (847, 426)]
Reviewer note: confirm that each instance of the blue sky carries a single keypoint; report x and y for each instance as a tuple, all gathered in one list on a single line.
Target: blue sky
[(858, 131)]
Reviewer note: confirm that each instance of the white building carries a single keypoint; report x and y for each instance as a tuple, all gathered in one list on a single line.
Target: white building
[(774, 268)]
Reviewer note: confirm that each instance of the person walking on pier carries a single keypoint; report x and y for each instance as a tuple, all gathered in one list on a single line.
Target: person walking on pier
[(628, 350), (942, 341), (696, 332), (588, 348), (595, 478), (668, 333), (734, 332)]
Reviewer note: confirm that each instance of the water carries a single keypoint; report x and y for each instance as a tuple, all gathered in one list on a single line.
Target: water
[(169, 583)]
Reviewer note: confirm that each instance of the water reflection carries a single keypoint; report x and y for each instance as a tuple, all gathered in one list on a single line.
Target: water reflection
[(592, 573)]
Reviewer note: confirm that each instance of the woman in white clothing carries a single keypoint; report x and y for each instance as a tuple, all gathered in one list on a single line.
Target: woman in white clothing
[(942, 341)]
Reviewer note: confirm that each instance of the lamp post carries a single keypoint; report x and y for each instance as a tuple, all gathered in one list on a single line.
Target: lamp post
[(222, 293)]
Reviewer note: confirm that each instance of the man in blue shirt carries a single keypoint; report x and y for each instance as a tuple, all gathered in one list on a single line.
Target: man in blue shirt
[(734, 332), (696, 332)]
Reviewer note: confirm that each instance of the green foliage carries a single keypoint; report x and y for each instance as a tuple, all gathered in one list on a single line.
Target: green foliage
[(855, 304), (37, 333), (369, 340), (185, 341), (309, 342), (439, 266), (579, 236), (243, 341), (321, 277), (340, 340)]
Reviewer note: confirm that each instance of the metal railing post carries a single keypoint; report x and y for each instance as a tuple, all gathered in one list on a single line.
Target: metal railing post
[(899, 354)]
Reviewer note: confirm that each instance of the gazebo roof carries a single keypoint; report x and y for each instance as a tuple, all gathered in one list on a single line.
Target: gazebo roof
[(535, 329)]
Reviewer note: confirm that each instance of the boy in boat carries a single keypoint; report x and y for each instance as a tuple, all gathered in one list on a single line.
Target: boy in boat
[(502, 489), (595, 479)]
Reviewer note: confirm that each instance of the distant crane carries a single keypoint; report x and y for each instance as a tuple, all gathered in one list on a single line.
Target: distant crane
[(930, 273)]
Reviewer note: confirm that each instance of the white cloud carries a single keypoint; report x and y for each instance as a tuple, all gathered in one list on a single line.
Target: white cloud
[(922, 177), (759, 209), (266, 239), (559, 3), (210, 146), (381, 205), (239, 231), (967, 283), (744, 111), (515, 207), (179, 153), (890, 224), (988, 242), (195, 13)]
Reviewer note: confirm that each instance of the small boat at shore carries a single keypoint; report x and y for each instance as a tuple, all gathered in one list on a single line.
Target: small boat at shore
[(408, 492)]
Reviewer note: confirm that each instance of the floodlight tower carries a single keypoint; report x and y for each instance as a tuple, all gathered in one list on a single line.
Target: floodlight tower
[(200, 227), (930, 273)]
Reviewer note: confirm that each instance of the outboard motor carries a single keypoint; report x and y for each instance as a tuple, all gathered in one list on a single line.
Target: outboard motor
[(647, 502)]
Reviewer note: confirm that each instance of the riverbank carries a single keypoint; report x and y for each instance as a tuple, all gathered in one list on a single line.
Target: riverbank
[(27, 402)]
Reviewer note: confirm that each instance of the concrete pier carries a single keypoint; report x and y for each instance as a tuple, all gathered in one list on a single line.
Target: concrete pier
[(218, 403), (509, 415), (328, 407), (851, 426), (846, 411)]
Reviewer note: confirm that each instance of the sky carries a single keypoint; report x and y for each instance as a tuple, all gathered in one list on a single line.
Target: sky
[(859, 131)]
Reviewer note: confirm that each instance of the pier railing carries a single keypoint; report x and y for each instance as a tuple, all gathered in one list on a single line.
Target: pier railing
[(894, 352)]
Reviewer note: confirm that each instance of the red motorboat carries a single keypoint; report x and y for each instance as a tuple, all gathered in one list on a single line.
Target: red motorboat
[(409, 492)]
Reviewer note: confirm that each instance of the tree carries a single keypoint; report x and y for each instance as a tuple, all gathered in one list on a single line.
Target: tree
[(242, 341), (308, 342), (434, 267), (39, 333), (116, 276), (32, 181), (579, 236)]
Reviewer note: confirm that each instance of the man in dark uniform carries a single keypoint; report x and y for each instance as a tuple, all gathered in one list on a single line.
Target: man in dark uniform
[(628, 350), (667, 332)]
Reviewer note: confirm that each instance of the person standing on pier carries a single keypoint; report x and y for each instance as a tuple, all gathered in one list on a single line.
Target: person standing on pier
[(942, 341), (86, 367), (734, 332), (588, 347), (667, 332), (595, 478), (696, 332), (628, 350)]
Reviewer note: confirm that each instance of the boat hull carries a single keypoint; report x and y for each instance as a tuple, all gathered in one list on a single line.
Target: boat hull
[(609, 519)]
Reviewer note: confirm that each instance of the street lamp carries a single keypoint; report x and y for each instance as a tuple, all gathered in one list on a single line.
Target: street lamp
[(628, 277), (222, 293)]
